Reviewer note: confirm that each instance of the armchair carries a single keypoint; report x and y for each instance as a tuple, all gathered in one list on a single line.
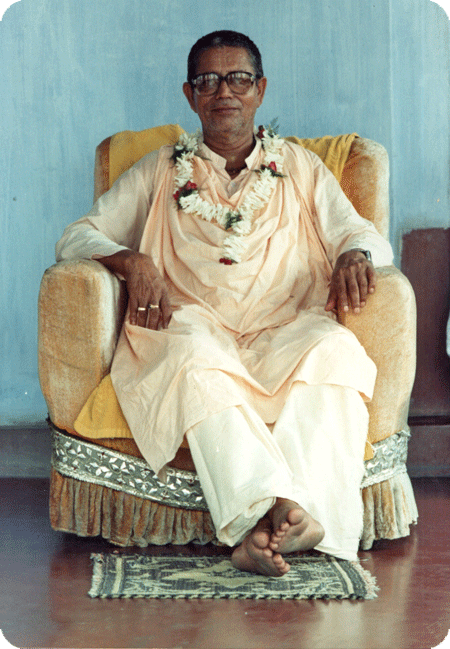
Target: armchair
[(103, 486)]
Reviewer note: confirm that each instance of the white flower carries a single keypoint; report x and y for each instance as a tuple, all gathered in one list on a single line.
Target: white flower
[(234, 245)]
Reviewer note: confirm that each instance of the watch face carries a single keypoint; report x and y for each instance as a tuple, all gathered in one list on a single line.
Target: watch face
[(366, 253)]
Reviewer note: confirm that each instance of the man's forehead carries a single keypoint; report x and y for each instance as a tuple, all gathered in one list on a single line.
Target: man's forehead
[(225, 58)]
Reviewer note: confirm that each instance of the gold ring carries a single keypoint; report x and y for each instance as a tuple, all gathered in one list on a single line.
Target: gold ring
[(141, 308), (153, 306)]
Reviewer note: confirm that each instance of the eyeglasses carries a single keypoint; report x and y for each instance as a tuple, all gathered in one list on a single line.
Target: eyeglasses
[(209, 83)]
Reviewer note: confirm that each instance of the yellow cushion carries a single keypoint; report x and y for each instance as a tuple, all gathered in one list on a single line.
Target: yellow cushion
[(102, 415), (128, 147), (332, 150)]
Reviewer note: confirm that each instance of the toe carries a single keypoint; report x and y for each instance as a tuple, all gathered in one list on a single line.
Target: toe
[(295, 516), (261, 534), (281, 564), (260, 539)]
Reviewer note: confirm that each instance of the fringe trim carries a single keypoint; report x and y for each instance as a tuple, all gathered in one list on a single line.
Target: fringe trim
[(87, 509), (98, 566), (369, 580), (389, 509)]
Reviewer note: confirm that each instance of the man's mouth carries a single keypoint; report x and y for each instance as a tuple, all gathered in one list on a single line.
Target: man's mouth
[(224, 109)]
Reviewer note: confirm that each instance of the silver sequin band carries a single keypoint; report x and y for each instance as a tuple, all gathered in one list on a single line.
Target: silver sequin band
[(76, 458)]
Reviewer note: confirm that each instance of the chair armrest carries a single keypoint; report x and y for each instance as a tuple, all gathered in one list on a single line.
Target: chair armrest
[(386, 328), (81, 309)]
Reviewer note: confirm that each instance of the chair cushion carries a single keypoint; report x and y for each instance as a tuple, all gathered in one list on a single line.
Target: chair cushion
[(332, 150), (102, 415), (128, 147)]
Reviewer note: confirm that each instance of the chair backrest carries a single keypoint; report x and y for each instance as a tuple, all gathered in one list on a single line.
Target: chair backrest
[(363, 174)]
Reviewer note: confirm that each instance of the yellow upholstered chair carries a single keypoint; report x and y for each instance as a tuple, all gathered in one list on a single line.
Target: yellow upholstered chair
[(100, 484)]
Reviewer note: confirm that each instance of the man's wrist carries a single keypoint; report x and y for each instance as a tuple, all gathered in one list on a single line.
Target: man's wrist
[(366, 253)]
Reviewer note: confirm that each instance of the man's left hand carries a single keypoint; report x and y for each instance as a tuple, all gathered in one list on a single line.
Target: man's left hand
[(353, 278)]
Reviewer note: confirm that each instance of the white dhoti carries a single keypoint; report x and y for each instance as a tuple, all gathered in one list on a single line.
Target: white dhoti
[(313, 456)]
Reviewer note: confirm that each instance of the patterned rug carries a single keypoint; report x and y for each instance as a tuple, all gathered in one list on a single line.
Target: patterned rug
[(315, 576)]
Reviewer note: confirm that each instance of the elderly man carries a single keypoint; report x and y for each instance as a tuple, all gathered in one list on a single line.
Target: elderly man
[(237, 249)]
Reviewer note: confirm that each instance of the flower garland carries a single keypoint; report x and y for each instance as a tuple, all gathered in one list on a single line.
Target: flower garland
[(239, 222)]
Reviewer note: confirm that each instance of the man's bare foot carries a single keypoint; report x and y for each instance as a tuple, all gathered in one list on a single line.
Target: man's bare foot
[(254, 554), (294, 530)]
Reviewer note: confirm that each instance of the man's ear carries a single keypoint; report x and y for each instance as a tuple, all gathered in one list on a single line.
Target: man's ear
[(261, 88), (189, 93)]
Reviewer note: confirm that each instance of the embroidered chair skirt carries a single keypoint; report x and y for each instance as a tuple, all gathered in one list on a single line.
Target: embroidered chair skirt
[(97, 490)]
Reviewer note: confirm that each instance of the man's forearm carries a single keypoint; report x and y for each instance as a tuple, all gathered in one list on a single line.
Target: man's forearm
[(119, 262), (82, 241)]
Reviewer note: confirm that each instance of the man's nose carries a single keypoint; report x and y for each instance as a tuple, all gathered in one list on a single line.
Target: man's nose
[(223, 90)]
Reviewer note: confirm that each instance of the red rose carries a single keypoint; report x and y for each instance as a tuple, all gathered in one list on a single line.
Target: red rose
[(260, 133), (177, 195), (226, 261), (273, 166), (190, 185)]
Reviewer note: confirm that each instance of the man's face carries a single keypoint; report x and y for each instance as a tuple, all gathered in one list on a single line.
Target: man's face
[(225, 112)]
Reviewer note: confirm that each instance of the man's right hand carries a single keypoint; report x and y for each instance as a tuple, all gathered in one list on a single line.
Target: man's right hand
[(148, 300)]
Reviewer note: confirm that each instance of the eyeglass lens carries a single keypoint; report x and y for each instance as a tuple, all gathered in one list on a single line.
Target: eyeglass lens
[(238, 82)]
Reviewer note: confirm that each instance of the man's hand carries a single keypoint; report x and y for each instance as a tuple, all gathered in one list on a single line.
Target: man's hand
[(353, 278), (148, 299)]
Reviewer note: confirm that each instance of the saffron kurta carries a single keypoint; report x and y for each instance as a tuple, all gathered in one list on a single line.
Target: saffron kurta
[(241, 333)]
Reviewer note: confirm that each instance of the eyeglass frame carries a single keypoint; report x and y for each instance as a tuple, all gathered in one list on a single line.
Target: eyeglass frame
[(253, 78)]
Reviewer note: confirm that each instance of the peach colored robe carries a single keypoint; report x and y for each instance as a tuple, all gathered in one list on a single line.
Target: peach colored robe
[(245, 332)]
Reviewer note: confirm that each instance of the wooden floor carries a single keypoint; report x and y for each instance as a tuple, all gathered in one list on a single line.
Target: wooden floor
[(45, 577)]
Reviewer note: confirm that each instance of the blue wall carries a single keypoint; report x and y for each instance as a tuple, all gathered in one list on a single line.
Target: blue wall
[(76, 71)]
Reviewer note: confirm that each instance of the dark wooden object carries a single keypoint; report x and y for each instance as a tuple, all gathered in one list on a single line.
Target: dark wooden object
[(426, 263)]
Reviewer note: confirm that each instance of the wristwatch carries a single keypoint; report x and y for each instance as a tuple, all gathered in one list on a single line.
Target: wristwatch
[(366, 253)]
